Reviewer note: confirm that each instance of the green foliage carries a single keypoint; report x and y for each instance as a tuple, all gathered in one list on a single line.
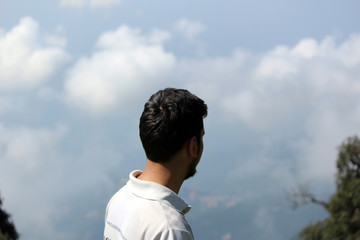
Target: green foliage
[(5, 237), (7, 227), (314, 231), (344, 206)]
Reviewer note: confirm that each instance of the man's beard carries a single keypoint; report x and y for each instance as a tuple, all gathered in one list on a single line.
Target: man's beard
[(192, 168), (191, 171)]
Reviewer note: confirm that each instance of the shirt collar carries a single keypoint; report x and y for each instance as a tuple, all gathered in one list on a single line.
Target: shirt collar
[(155, 191)]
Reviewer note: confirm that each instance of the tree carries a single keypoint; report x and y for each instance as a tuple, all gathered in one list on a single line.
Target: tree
[(7, 227), (343, 207)]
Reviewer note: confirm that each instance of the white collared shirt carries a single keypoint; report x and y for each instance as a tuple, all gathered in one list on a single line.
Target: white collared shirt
[(143, 210)]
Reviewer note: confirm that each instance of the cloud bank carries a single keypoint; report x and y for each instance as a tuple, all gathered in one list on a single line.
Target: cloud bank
[(124, 64), (26, 61)]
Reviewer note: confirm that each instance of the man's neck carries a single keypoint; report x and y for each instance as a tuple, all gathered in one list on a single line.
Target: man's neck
[(164, 174)]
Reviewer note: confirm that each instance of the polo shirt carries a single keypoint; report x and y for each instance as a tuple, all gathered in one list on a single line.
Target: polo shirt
[(143, 210)]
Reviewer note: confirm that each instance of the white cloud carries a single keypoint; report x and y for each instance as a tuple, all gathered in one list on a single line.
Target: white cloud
[(276, 64), (24, 61), (90, 3), (189, 29), (28, 148), (306, 48), (287, 80), (124, 65)]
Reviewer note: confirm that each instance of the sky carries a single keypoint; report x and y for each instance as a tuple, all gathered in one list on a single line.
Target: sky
[(281, 80)]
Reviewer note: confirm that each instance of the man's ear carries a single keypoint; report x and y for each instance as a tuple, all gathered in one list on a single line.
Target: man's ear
[(193, 147)]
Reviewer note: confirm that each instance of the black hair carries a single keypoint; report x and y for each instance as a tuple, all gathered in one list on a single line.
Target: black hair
[(170, 117)]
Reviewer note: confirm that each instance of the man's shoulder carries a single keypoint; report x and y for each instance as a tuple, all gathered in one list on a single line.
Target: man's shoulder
[(176, 234), (174, 218), (171, 223)]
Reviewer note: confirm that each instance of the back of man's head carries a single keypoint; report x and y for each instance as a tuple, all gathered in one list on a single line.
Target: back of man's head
[(170, 117)]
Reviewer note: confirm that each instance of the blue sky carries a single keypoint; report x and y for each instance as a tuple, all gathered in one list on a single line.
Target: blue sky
[(281, 80)]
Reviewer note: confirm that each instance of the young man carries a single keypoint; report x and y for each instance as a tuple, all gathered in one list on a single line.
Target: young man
[(148, 207)]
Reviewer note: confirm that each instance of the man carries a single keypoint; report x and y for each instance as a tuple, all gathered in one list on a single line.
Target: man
[(148, 207)]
